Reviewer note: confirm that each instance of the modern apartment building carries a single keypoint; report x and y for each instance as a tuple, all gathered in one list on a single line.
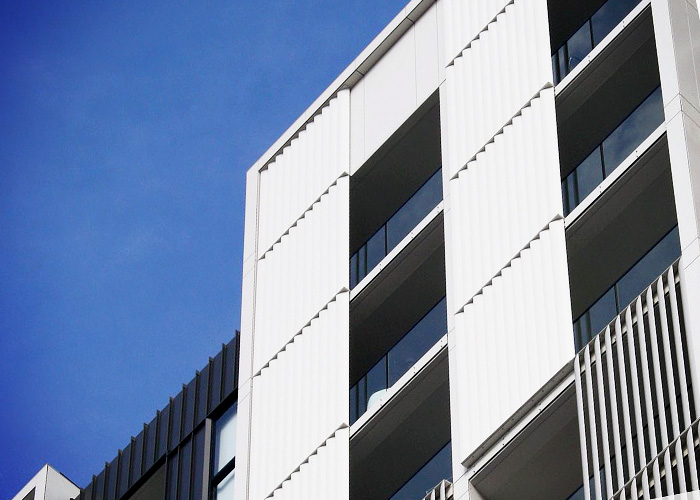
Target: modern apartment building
[(470, 271)]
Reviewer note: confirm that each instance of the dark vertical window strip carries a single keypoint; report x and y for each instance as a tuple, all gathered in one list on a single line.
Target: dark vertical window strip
[(163, 424), (185, 470), (99, 481), (202, 394), (198, 463), (215, 381), (150, 443), (190, 401), (175, 420), (230, 367), (172, 475), (124, 464), (112, 475), (137, 457)]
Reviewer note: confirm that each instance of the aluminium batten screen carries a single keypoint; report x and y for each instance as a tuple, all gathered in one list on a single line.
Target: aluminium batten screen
[(637, 418)]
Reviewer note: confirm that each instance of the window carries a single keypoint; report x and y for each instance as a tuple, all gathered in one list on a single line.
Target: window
[(224, 460)]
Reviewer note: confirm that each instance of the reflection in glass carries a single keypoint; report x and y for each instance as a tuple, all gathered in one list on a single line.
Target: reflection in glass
[(396, 228), (579, 45), (225, 438), (610, 14), (439, 467), (224, 490), (627, 288), (583, 180)]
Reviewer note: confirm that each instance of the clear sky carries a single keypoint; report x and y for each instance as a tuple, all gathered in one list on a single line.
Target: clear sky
[(125, 132)]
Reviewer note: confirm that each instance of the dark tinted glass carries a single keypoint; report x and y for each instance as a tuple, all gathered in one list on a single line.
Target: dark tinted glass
[(417, 341), (112, 476), (172, 477), (163, 423), (175, 421), (649, 267), (632, 131), (376, 248), (361, 396), (230, 367), (353, 270), (150, 445), (601, 313), (362, 263), (99, 489), (414, 210), (562, 58), (610, 15), (579, 46), (189, 396), (136, 458), (376, 378), (185, 470), (198, 464), (588, 175), (215, 381), (124, 466), (435, 470), (202, 394), (353, 404)]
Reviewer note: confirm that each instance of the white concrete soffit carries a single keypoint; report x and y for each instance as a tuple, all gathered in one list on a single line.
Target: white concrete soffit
[(352, 74)]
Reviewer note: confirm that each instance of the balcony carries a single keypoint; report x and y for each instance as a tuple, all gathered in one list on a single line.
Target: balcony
[(613, 150), (423, 483), (588, 35), (398, 360)]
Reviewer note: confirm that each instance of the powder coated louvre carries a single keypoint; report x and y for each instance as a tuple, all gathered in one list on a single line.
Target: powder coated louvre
[(502, 70), (633, 393), (303, 170), (302, 273), (504, 197), (464, 19), (323, 476), (510, 340), (300, 399)]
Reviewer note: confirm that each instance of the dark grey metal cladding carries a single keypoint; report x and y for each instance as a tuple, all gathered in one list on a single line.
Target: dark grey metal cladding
[(176, 430)]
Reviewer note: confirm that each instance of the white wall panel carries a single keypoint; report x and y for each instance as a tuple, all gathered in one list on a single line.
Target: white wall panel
[(300, 399), (494, 78), (324, 476), (504, 197), (304, 169), (464, 19), (301, 273), (510, 340)]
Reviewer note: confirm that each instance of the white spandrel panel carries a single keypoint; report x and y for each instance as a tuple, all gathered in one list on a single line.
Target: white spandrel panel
[(510, 340), (304, 170), (500, 72), (464, 19), (300, 399), (324, 476), (302, 273), (503, 198)]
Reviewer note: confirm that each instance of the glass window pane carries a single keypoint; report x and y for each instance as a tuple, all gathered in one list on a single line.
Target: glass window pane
[(172, 476), (353, 271), (655, 262), (353, 404), (589, 174), (362, 396), (198, 464), (225, 438), (555, 68), (362, 263), (632, 131), (435, 470), (601, 313), (579, 46), (610, 15), (414, 210), (417, 341), (376, 249), (185, 463), (561, 57), (224, 490), (376, 379)]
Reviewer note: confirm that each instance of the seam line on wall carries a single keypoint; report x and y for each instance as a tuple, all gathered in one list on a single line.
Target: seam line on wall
[(303, 215), (501, 131), (510, 262), (301, 330), (493, 20)]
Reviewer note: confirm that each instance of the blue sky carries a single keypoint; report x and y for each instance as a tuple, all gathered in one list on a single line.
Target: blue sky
[(125, 132)]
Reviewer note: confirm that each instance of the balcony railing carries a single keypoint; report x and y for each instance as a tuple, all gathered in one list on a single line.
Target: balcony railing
[(423, 482), (396, 228), (400, 358), (590, 34), (608, 155), (618, 296)]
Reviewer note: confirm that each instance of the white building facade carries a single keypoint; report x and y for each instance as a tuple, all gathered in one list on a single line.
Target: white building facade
[(475, 258)]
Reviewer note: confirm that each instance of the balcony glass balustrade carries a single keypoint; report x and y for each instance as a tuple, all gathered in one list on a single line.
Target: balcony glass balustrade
[(400, 358), (617, 146), (631, 284), (590, 34), (396, 228), (435, 470)]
